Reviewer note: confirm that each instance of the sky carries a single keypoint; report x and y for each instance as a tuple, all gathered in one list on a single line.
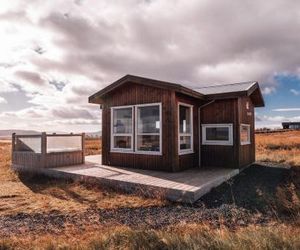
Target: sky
[(54, 54)]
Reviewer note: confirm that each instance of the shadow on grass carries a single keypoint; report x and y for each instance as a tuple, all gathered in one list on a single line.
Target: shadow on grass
[(254, 189), (58, 188)]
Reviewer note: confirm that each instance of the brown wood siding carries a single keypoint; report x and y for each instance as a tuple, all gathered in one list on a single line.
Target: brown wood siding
[(28, 159), (63, 159), (189, 160), (132, 94), (220, 111), (247, 152)]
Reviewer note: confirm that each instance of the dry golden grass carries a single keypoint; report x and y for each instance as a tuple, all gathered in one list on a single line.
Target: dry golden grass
[(283, 148), (279, 147), (23, 195), (92, 146), (192, 236), (18, 195)]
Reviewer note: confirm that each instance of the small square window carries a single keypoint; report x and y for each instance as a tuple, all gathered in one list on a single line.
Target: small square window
[(217, 134)]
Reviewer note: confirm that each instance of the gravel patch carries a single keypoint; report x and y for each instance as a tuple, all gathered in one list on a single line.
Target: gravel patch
[(242, 201), (149, 217)]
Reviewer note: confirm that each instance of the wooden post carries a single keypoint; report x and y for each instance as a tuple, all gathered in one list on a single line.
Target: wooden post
[(13, 146), (13, 142), (83, 147), (43, 149)]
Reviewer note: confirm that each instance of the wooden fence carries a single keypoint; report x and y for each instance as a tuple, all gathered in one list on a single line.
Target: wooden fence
[(48, 150)]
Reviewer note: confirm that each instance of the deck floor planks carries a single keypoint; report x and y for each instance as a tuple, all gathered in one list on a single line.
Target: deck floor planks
[(185, 186)]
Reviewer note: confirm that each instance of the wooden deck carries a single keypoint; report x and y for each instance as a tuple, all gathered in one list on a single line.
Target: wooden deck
[(186, 186)]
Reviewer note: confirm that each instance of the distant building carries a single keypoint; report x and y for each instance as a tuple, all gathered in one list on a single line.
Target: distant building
[(291, 125)]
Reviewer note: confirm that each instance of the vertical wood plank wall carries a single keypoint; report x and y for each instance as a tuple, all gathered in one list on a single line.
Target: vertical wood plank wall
[(220, 111), (247, 116), (131, 94)]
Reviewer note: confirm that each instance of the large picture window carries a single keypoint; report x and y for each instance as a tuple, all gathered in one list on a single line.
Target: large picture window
[(217, 134), (122, 128), (245, 134), (185, 115), (144, 120), (148, 128)]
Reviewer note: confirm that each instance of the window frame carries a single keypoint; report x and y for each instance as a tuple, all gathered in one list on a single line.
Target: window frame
[(136, 151), (229, 142), (249, 134), (191, 134), (112, 134)]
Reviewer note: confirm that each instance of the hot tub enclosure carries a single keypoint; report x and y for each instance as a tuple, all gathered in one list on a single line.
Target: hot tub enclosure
[(151, 124)]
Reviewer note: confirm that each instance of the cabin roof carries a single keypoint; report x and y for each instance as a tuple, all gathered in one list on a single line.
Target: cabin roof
[(225, 88), (223, 91), (212, 92)]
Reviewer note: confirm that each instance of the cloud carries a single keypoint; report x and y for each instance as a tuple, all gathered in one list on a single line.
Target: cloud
[(72, 113), (278, 119), (31, 77), (2, 100), (27, 113), (295, 92), (74, 122), (6, 87), (60, 52), (247, 53), (268, 90), (286, 109)]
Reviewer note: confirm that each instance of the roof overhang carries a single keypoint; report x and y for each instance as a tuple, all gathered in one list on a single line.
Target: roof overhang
[(253, 92), (98, 97)]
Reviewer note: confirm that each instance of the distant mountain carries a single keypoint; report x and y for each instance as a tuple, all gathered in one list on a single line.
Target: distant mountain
[(6, 133)]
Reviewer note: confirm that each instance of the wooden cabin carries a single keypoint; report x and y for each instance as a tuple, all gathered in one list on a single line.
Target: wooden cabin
[(152, 124)]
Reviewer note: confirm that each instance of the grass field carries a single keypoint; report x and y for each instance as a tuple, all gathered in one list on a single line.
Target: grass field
[(38, 212), (279, 147)]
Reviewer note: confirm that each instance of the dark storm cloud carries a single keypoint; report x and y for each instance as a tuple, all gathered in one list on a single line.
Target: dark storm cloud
[(197, 43), (31, 77), (78, 32), (67, 50)]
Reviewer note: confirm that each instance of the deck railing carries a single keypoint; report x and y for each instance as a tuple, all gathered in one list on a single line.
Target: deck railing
[(48, 150)]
